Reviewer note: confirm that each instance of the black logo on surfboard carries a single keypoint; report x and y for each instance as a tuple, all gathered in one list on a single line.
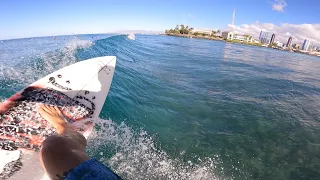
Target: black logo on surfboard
[(52, 80)]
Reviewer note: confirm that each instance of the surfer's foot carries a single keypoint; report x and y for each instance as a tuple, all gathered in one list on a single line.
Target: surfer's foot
[(54, 116)]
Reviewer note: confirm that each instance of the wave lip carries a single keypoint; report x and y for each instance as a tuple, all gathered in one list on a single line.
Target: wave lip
[(75, 44)]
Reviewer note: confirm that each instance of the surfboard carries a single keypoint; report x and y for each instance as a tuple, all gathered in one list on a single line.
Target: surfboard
[(79, 90)]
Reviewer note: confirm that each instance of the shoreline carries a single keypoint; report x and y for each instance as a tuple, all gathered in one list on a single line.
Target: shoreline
[(221, 39), (194, 36)]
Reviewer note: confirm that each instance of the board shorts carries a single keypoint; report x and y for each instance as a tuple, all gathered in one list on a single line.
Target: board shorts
[(92, 169)]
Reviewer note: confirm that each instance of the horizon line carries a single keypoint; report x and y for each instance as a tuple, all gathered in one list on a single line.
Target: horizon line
[(75, 34)]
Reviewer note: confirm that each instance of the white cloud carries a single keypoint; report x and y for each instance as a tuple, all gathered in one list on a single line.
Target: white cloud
[(299, 32), (279, 5)]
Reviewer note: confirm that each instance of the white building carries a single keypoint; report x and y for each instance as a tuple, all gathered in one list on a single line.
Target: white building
[(202, 31), (227, 35), (243, 38)]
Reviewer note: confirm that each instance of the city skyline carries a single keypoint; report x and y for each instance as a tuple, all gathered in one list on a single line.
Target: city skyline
[(48, 18), (269, 38)]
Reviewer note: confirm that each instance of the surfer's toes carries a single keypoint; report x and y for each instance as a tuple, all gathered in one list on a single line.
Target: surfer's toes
[(49, 109), (53, 115), (41, 109)]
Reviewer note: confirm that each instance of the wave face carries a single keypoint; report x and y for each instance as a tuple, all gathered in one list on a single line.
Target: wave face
[(183, 108)]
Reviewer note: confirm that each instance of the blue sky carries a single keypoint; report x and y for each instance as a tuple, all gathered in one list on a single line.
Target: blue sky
[(29, 18)]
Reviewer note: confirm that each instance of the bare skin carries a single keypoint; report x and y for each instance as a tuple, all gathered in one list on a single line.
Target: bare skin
[(71, 152)]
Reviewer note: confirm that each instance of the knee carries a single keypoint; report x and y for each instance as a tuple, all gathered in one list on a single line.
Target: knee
[(53, 147), (53, 142)]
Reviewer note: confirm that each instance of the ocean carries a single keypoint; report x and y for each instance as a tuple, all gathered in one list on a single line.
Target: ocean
[(191, 109)]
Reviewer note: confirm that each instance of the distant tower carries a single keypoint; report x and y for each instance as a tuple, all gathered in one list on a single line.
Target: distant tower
[(272, 39), (289, 43), (306, 45), (233, 16)]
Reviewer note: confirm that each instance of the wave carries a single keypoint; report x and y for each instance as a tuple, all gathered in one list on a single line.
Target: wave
[(21, 70), (34, 68), (118, 45)]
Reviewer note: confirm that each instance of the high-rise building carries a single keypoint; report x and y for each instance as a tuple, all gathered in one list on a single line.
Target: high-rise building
[(265, 37), (289, 43), (272, 38), (306, 45)]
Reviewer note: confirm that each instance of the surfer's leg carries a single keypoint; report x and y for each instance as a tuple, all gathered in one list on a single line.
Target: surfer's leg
[(59, 155), (63, 152)]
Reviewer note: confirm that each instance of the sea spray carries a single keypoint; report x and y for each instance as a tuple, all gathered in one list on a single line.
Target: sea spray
[(40, 65), (134, 155)]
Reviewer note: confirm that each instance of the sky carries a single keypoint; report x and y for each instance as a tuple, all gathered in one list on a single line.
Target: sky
[(34, 18)]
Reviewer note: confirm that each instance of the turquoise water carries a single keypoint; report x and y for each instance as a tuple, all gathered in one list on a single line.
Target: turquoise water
[(185, 108)]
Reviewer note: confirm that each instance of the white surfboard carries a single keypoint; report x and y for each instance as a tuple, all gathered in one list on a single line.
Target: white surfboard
[(79, 90)]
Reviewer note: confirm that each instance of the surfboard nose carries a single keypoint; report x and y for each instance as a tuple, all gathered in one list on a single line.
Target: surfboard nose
[(108, 60), (107, 65)]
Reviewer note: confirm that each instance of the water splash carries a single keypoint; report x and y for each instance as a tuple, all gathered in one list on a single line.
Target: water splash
[(34, 68), (63, 57), (131, 36), (135, 155)]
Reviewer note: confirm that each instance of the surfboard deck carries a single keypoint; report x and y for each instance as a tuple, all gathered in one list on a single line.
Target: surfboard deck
[(79, 90)]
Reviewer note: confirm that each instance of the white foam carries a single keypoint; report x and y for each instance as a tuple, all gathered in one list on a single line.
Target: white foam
[(137, 157), (75, 44), (131, 36)]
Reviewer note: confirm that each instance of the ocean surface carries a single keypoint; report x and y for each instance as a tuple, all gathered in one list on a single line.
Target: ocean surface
[(189, 109)]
